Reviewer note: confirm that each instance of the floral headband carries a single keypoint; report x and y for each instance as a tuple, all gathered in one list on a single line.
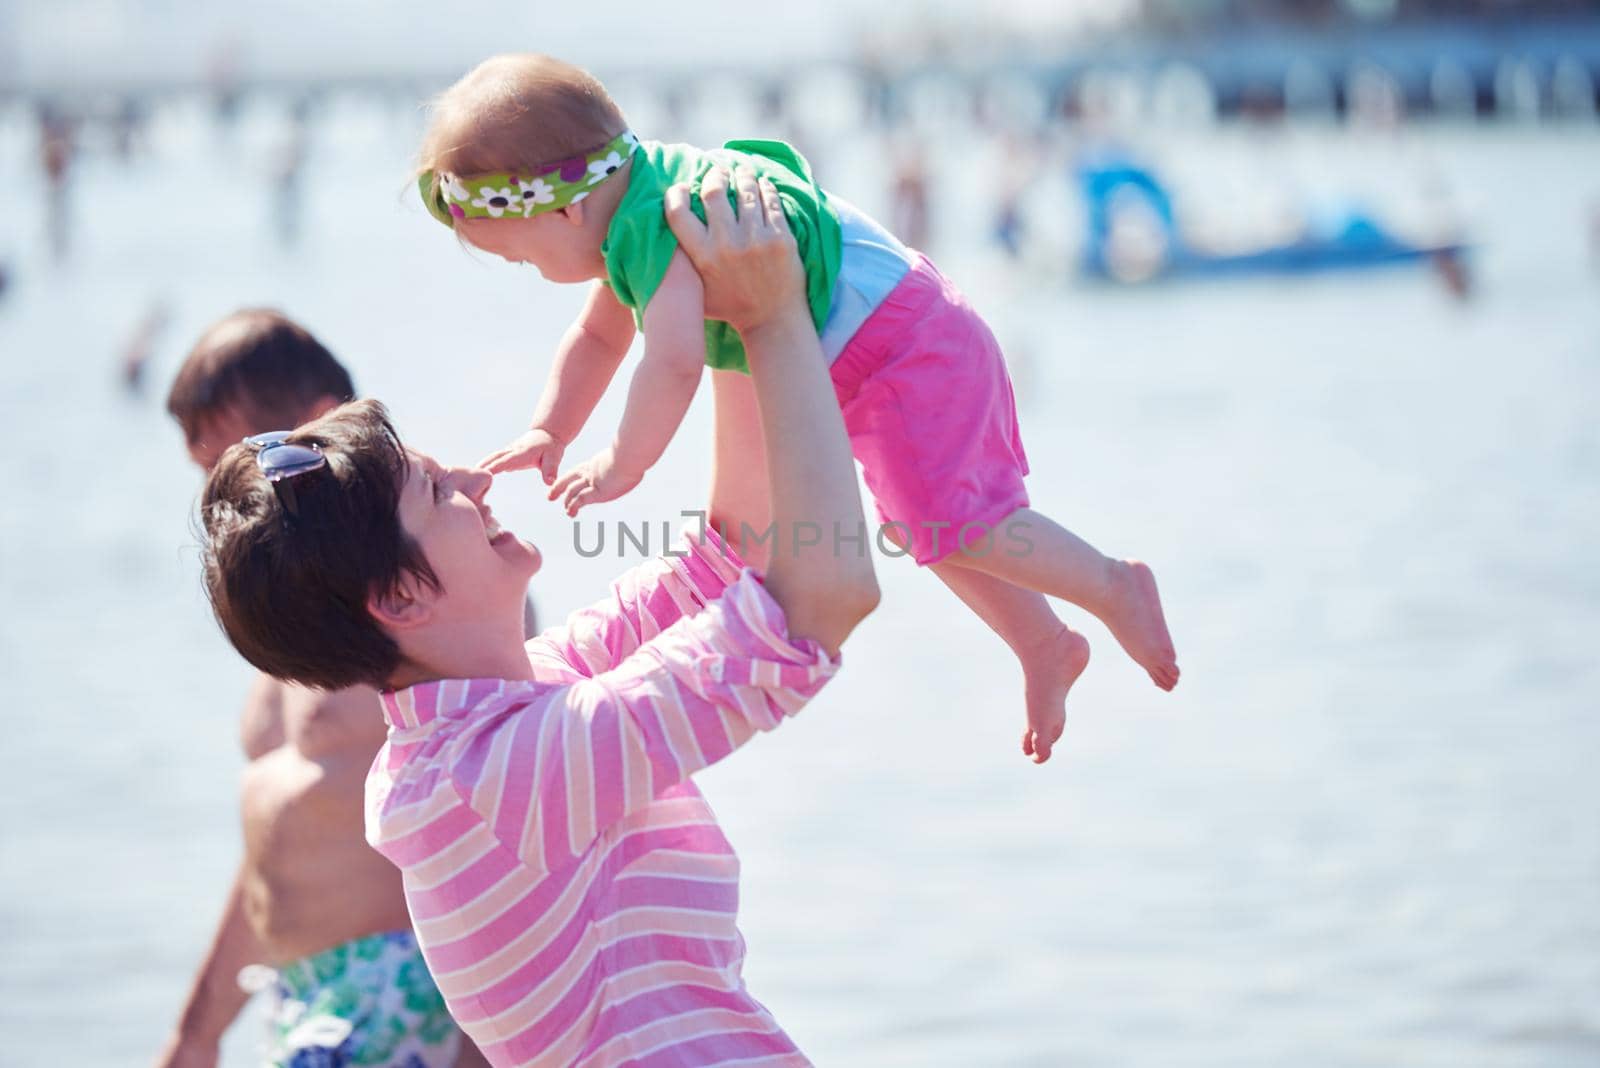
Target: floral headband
[(549, 188)]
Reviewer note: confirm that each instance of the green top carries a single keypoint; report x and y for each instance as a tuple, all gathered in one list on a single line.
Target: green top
[(639, 244)]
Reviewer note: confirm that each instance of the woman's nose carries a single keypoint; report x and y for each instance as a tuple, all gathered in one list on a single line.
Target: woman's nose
[(475, 482)]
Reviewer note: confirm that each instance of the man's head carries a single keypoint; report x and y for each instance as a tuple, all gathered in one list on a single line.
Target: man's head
[(252, 371), (388, 562)]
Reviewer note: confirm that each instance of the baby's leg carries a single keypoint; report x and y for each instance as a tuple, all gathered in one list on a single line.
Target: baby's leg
[(1034, 551), (740, 495), (1053, 655)]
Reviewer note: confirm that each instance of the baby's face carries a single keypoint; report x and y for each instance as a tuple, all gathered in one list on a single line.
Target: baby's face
[(556, 242)]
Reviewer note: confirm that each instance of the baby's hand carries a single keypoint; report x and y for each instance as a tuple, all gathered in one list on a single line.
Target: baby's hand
[(536, 448), (595, 480)]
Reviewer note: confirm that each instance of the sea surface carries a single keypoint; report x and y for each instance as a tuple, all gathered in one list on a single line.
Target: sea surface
[(1362, 832)]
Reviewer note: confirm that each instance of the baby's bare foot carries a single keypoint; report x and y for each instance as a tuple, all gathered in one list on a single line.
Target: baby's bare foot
[(1133, 612), (1049, 669)]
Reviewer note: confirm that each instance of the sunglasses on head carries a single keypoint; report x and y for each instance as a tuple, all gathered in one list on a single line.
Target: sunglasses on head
[(281, 460)]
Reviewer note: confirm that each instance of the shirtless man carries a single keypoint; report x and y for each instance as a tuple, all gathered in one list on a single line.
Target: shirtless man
[(311, 899)]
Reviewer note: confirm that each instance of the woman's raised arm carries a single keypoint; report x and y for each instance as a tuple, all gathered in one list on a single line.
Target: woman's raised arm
[(821, 570)]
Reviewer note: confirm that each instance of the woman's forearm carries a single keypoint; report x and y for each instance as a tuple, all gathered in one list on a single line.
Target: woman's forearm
[(740, 499), (821, 571), (821, 566)]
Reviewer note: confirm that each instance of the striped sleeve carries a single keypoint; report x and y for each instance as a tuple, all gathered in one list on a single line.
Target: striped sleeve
[(548, 782), (642, 603)]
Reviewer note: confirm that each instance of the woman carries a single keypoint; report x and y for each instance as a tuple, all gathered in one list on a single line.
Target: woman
[(570, 889)]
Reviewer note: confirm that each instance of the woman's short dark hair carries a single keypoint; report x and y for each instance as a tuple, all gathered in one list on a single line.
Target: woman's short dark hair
[(291, 592)]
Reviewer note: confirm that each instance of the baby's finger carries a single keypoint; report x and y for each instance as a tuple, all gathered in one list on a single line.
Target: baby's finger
[(547, 466), (1027, 741), (582, 497), (573, 487), (578, 489), (563, 482), (519, 461)]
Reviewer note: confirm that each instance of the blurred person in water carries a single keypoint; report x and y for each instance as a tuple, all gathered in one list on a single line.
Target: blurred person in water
[(311, 902), (58, 150)]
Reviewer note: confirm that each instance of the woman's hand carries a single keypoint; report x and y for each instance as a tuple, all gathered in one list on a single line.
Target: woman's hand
[(749, 263), (597, 479), (753, 279), (535, 448)]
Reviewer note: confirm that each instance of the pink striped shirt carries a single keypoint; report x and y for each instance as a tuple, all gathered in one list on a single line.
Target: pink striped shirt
[(571, 890)]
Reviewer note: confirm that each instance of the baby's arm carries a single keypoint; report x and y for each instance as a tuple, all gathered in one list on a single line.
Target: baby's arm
[(662, 387), (586, 360)]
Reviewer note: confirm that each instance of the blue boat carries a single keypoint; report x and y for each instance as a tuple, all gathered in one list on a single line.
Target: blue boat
[(1339, 240)]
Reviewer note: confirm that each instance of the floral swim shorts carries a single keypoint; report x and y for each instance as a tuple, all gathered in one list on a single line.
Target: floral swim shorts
[(366, 1002)]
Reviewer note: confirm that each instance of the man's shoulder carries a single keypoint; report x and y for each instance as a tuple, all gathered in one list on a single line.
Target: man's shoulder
[(261, 725), (333, 723)]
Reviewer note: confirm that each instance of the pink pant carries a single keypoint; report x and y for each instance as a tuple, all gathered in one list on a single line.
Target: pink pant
[(929, 409)]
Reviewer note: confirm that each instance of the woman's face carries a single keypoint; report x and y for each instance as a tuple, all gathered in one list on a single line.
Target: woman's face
[(482, 568)]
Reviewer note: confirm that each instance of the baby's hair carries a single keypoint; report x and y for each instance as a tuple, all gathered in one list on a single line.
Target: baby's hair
[(516, 113)]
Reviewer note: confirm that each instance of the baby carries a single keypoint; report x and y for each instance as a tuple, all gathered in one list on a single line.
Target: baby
[(528, 158)]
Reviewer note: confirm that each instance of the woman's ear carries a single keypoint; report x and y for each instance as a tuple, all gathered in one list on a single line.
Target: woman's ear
[(406, 607)]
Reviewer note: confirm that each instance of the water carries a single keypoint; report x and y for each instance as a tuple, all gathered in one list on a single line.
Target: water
[(1362, 831)]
